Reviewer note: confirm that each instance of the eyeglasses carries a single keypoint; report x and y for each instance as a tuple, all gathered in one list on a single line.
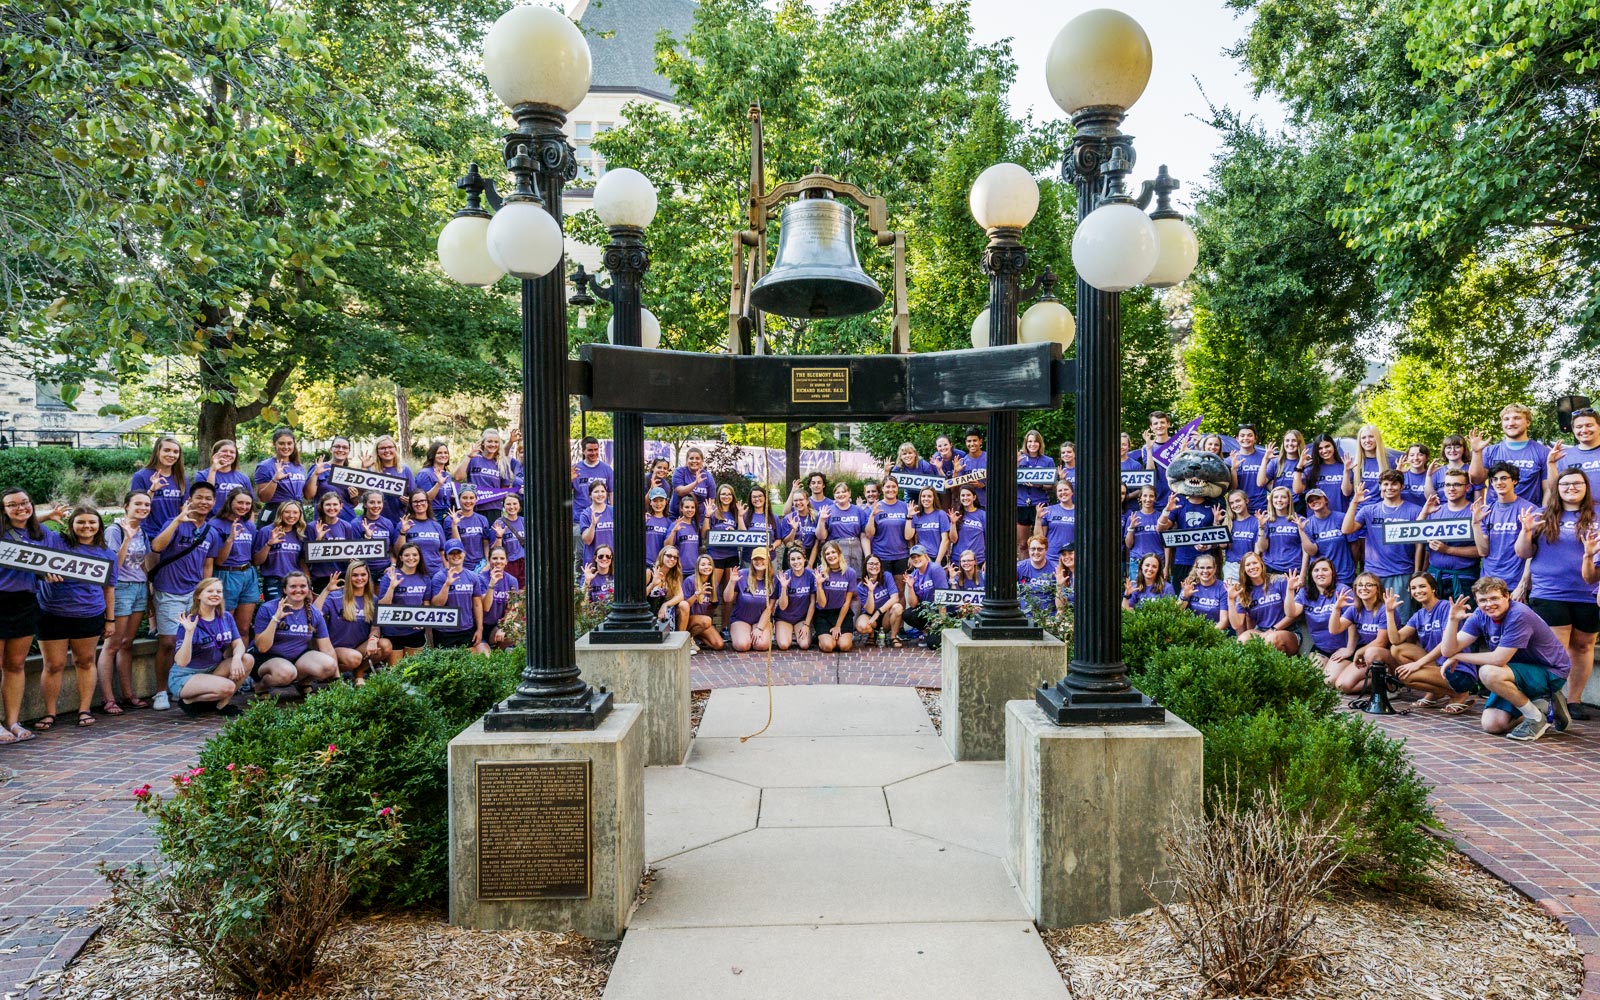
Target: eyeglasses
[(603, 558), (673, 558)]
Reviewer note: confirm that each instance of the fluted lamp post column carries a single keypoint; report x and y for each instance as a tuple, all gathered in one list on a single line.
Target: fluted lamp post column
[(537, 63), (1003, 200), (1097, 68), (625, 200)]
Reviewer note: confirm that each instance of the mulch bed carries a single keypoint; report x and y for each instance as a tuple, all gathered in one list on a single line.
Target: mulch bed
[(1476, 939), (930, 702)]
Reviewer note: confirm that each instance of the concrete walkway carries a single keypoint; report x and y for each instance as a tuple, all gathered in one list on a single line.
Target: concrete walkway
[(840, 854)]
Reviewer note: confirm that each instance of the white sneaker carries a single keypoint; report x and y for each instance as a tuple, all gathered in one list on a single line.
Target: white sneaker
[(160, 702), (694, 650)]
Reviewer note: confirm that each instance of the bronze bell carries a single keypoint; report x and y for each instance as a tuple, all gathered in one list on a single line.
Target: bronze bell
[(816, 274)]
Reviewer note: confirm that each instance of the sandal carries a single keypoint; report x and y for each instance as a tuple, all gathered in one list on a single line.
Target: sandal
[(1434, 701), (44, 723), (85, 718), (111, 708), (1456, 707), (896, 643), (138, 703), (20, 734)]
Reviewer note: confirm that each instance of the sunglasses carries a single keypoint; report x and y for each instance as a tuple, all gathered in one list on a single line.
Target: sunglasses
[(603, 558)]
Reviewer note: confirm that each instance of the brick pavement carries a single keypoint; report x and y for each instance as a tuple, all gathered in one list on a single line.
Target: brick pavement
[(1530, 814), (65, 804)]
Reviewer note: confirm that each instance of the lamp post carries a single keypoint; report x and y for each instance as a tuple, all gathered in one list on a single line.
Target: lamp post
[(1097, 68), (625, 200), (538, 63), (1003, 200)]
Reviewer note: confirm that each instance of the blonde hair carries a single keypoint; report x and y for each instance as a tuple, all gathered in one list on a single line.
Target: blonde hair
[(1526, 411), (368, 595), (194, 596)]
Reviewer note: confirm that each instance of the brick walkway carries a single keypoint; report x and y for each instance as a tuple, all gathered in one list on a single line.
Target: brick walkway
[(66, 804), (1528, 813)]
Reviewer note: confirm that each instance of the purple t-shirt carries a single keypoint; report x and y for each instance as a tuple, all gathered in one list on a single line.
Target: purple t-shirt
[(1317, 613), (296, 632), (1368, 624), (474, 532), (1523, 630), (1413, 491), (1039, 580), (889, 519), (485, 474), (880, 592), (75, 598), (282, 558), (449, 495), (499, 594), (180, 575), (1328, 534), (412, 590), (655, 536), (324, 485), (1185, 516), (979, 463), (1146, 538), (1384, 559), (833, 589), (226, 483), (1032, 496), (1247, 470), (394, 507), (516, 530), (1502, 526), (1060, 528), (1531, 459), (1142, 594), (928, 579), (691, 591), (289, 488), (801, 586), (1430, 625), (213, 641), (751, 595), (1242, 540), (704, 488), (244, 533), (585, 476), (429, 538), (1330, 480), (800, 530), (971, 536), (338, 531), (931, 529), (351, 634), (1558, 565), (1209, 602), (1280, 472), (463, 593), (1266, 605), (720, 520), (685, 536), (166, 500), (845, 522), (1586, 461), (380, 528)]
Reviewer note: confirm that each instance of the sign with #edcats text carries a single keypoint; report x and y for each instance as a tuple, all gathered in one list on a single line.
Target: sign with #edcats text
[(447, 618), (57, 562)]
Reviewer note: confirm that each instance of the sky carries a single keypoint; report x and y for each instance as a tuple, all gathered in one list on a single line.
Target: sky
[(1188, 39)]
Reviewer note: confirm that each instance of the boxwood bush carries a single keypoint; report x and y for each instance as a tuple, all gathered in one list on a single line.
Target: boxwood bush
[(1158, 625), (1204, 685)]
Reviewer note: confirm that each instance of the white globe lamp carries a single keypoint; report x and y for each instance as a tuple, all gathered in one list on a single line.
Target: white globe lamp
[(1115, 247), (649, 329), (1004, 196), (1101, 58), (536, 55), (1047, 322), (524, 240), (464, 250), (625, 197)]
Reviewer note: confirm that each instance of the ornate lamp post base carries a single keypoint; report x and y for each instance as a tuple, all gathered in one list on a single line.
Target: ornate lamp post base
[(1093, 708), (524, 714), (977, 628)]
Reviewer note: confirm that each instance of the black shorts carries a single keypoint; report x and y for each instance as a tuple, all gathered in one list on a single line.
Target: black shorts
[(415, 640), (730, 562), (1026, 516), (19, 614), (451, 640), (1581, 615), (70, 626), (895, 567)]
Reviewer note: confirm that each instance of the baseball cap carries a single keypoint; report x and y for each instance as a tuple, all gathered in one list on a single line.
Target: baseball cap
[(919, 550), (656, 493), (1315, 493), (453, 546), (760, 553)]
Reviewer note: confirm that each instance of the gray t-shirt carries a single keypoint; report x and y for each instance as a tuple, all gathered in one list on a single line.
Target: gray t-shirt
[(130, 569)]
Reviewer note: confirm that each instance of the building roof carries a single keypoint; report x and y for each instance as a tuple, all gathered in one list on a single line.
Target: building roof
[(622, 41)]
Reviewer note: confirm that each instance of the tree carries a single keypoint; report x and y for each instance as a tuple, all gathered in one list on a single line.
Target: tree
[(1230, 381), (252, 186)]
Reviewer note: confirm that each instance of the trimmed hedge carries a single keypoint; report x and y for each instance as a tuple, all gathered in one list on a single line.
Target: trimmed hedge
[(46, 472), (1206, 685), (1159, 625)]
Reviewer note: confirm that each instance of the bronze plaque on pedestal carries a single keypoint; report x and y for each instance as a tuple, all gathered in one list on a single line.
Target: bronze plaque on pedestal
[(533, 829), (819, 385)]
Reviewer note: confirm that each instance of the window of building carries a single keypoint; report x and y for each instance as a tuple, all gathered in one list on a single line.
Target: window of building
[(47, 395), (591, 165)]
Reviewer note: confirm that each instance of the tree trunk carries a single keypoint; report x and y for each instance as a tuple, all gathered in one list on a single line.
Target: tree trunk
[(218, 421), (402, 423)]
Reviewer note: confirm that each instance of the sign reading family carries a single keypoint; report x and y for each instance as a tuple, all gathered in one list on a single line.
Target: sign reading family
[(353, 548), (365, 479), (1450, 531), (395, 614), (56, 562)]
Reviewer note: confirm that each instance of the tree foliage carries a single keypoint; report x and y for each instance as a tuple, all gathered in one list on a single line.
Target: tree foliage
[(1231, 380), (252, 186)]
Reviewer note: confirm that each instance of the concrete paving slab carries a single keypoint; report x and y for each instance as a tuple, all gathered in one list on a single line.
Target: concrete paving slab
[(685, 809), (834, 875), (963, 804), (811, 761), (955, 961), (810, 710), (832, 806)]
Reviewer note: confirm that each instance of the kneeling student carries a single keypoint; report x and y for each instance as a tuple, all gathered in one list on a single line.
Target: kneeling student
[(1526, 664), (210, 662)]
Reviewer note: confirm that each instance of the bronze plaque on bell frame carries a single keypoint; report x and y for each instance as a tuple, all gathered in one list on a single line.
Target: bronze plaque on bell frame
[(820, 385), (533, 829)]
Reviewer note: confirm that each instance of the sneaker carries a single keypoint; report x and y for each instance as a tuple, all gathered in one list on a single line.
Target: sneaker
[(1529, 730), (1559, 712), (694, 649), (160, 702)]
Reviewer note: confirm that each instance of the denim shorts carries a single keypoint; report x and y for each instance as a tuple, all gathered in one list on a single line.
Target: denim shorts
[(131, 598), (167, 609), (240, 586), (179, 677)]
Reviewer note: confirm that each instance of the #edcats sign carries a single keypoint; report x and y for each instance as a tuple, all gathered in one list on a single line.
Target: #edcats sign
[(364, 479), (65, 564), (394, 614), (1451, 531), (1195, 536)]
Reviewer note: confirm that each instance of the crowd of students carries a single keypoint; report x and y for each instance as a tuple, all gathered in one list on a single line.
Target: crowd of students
[(220, 560)]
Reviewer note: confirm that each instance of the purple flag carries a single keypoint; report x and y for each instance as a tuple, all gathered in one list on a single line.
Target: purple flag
[(1178, 442)]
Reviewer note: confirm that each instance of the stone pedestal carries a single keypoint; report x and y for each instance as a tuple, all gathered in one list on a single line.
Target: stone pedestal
[(615, 820), (654, 677), (1086, 808), (979, 676)]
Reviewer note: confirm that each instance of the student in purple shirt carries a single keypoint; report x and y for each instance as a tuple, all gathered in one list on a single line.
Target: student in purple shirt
[(405, 585), (1392, 564), (386, 459), (470, 528), (1057, 524), (1561, 557), (436, 483), (1585, 456), (798, 529), (498, 586), (796, 601), (349, 604), (183, 553), (929, 526), (691, 479), (319, 480), (1373, 460), (1142, 537), (1414, 466), (886, 531), (74, 614), (374, 523), (292, 645), (975, 461), (1323, 530), (968, 526), (1149, 585), (489, 466), (1030, 498), (757, 516), (926, 576), (330, 526), (280, 549), (1256, 607), (1314, 603), (1281, 467), (458, 587), (210, 662), (1496, 524), (234, 562), (223, 473), (1453, 564), (162, 478), (1525, 664), (1325, 468), (1036, 581), (878, 602), (424, 532), (280, 479), (1244, 530), (1418, 646), (686, 533), (586, 472), (701, 598), (750, 592), (1362, 614), (1203, 593), (1246, 464), (599, 577), (1068, 469), (1530, 457), (842, 522), (656, 524), (836, 591), (1453, 456)]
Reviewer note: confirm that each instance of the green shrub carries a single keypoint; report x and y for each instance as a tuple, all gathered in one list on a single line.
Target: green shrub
[(463, 685), (107, 489), (259, 865), (37, 470), (1323, 763), (392, 743), (1207, 685), (123, 462), (1157, 625), (70, 486)]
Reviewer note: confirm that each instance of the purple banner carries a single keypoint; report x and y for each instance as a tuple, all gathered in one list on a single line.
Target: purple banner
[(1177, 442)]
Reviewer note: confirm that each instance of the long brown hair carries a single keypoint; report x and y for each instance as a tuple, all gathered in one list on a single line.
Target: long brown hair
[(1554, 508), (177, 466)]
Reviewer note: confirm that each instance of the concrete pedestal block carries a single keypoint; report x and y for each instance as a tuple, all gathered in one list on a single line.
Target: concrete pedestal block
[(1086, 808), (653, 676), (979, 677), (143, 673), (615, 752)]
